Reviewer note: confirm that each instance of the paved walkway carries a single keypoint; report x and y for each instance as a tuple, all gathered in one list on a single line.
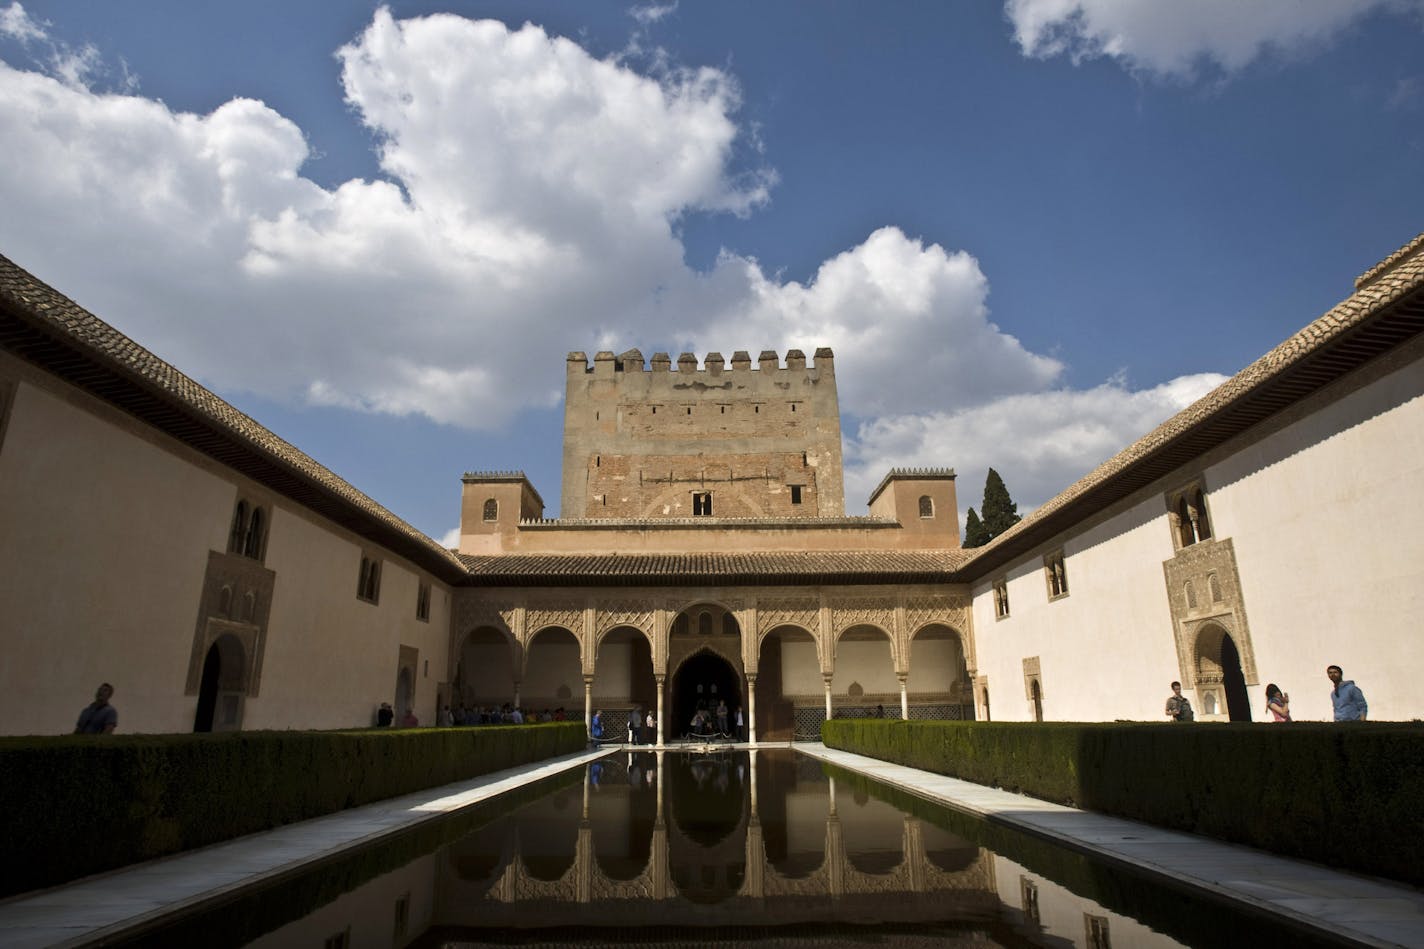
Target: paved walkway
[(1370, 911)]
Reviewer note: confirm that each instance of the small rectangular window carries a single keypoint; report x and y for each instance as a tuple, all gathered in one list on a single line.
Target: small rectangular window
[(702, 503), (796, 494)]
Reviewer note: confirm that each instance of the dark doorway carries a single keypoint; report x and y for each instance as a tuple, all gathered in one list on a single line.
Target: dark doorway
[(208, 690), (701, 682), (1037, 693), (1238, 704)]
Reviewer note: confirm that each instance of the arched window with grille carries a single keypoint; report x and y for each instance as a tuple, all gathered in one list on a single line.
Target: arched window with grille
[(926, 506), (491, 510)]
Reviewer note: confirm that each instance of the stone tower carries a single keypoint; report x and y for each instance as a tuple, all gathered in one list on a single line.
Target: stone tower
[(719, 441)]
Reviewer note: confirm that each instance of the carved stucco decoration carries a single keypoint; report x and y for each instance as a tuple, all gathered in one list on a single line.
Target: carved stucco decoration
[(862, 611), (567, 616), (804, 612), (472, 613), (1210, 567), (635, 613)]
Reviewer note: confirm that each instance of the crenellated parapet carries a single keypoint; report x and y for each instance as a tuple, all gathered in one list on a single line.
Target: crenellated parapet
[(607, 364)]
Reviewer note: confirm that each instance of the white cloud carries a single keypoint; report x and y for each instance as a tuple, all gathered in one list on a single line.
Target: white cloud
[(652, 12), (16, 23), (1039, 442), (1178, 38), (529, 207)]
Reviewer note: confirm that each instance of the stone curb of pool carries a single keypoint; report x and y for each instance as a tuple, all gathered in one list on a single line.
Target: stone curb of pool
[(115, 903), (1373, 912)]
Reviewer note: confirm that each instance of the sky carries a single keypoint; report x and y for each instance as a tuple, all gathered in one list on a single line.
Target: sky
[(1030, 230)]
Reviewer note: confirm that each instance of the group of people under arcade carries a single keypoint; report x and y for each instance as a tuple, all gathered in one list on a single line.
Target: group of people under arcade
[(460, 715)]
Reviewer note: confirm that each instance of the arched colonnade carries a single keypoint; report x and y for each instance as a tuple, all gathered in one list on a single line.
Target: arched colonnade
[(824, 651)]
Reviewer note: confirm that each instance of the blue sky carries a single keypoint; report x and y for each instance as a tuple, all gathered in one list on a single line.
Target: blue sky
[(1030, 230)]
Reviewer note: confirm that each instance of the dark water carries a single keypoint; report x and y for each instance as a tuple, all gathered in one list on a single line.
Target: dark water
[(728, 848)]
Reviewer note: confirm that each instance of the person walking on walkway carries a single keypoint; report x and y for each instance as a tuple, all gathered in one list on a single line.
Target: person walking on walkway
[(1179, 707), (1349, 701)]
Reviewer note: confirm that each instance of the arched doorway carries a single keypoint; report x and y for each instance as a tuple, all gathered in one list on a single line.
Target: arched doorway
[(404, 693), (1036, 693), (484, 670), (1220, 678), (222, 686), (938, 683), (702, 681)]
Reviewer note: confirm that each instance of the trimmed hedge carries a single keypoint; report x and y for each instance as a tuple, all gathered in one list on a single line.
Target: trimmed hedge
[(76, 805), (1346, 795)]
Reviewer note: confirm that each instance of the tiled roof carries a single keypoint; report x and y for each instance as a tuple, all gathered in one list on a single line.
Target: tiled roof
[(1385, 312), (41, 325), (799, 567)]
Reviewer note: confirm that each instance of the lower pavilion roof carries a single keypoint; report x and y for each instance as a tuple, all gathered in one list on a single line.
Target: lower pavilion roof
[(717, 569)]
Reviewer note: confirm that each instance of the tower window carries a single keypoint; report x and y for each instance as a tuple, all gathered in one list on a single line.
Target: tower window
[(926, 506), (491, 510), (702, 503), (796, 494)]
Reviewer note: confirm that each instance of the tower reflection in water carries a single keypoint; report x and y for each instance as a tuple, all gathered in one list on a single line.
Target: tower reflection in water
[(758, 838)]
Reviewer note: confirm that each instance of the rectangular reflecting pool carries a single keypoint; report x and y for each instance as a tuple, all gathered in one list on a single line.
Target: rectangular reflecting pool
[(724, 847)]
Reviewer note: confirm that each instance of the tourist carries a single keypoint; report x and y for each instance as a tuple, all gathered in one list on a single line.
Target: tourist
[(444, 719), (635, 725), (1179, 707), (1277, 703), (651, 728), (1349, 701), (595, 729), (721, 718), (741, 726), (385, 715), (98, 717), (408, 720), (879, 711), (516, 716)]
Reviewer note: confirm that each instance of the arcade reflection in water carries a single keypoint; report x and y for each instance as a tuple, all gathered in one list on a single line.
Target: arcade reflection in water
[(752, 839)]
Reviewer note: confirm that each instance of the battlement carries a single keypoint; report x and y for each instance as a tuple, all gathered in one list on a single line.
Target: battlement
[(609, 364)]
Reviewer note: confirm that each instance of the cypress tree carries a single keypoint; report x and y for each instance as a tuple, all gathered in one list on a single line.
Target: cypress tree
[(975, 534), (1000, 511)]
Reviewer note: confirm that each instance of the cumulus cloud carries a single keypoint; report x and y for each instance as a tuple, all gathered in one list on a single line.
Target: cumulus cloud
[(1180, 38), (529, 204), (1039, 441)]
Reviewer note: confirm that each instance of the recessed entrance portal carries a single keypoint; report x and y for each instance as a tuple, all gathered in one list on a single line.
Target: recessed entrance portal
[(701, 682), (222, 687)]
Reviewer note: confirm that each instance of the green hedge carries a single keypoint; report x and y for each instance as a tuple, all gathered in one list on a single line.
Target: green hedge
[(76, 805), (1346, 795)]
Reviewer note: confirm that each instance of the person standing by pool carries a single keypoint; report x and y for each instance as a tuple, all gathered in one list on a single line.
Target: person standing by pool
[(1349, 701), (595, 728)]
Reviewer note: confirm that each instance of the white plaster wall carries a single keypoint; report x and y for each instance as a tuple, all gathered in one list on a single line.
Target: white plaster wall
[(1327, 518), (613, 674), (867, 662), (554, 662), (800, 669), (331, 658), (1106, 650), (102, 554), (936, 665)]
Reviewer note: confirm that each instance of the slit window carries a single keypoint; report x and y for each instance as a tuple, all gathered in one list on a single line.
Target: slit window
[(1001, 599), (796, 494)]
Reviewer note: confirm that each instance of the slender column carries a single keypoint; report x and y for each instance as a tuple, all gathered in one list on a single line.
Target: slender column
[(659, 680), (588, 704), (751, 709), (516, 693), (826, 678), (904, 697)]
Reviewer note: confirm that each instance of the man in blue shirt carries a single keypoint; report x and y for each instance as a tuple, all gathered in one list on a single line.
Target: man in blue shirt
[(1349, 701)]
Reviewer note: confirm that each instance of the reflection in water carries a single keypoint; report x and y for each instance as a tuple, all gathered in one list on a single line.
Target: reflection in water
[(740, 845)]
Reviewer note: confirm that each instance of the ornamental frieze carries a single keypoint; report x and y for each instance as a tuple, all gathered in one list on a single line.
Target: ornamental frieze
[(804, 612), (471, 613), (567, 616), (637, 613), (856, 611), (951, 611)]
